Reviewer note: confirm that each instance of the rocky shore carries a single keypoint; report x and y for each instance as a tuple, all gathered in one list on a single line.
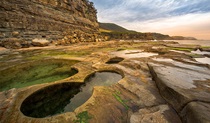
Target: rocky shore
[(161, 82)]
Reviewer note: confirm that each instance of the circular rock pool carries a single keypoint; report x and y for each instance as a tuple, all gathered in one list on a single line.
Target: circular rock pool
[(65, 97)]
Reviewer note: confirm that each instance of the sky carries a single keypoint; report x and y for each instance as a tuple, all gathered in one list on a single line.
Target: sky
[(190, 18)]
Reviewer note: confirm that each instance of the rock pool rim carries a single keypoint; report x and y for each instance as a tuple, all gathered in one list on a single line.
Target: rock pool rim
[(32, 95)]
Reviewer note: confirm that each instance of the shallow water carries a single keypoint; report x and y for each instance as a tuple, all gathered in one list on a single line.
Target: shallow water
[(205, 60), (37, 72), (133, 54), (49, 100), (193, 42), (182, 78), (163, 59), (98, 79), (200, 52), (180, 64)]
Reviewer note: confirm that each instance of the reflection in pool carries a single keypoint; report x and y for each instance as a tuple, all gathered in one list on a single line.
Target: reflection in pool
[(65, 97), (132, 54), (97, 79), (50, 100)]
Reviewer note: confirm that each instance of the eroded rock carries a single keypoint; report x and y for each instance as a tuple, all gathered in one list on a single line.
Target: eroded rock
[(180, 83), (47, 19), (157, 114)]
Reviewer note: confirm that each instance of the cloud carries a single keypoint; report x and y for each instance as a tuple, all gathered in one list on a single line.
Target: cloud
[(197, 25), (155, 15), (131, 10)]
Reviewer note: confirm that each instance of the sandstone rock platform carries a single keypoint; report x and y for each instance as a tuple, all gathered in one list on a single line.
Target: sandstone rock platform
[(164, 87)]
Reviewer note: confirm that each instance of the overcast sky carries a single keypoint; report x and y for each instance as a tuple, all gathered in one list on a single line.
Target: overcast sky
[(173, 17)]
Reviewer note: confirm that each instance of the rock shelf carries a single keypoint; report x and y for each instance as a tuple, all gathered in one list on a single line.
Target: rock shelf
[(166, 87)]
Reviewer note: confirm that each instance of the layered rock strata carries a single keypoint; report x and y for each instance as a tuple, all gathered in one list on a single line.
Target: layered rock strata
[(26, 20)]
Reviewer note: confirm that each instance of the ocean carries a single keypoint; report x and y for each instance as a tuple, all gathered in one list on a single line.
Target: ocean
[(194, 42)]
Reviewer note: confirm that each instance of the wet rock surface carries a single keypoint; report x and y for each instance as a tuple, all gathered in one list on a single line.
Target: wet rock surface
[(166, 86), (180, 83)]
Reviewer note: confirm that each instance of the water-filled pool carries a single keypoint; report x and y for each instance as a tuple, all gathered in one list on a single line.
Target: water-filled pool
[(200, 52), (205, 60), (36, 72), (133, 54), (65, 97), (97, 79)]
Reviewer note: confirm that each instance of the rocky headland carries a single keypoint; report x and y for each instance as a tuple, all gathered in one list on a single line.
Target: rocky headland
[(113, 31)]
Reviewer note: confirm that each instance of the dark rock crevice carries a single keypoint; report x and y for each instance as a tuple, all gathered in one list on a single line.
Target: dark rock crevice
[(162, 88), (196, 112)]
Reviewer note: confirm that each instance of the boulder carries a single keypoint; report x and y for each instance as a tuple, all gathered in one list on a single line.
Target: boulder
[(40, 42), (15, 34)]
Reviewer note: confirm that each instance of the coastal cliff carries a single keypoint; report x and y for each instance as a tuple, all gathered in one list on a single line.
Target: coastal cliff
[(25, 20)]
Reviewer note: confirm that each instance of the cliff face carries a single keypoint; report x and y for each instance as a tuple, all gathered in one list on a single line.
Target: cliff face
[(29, 19)]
